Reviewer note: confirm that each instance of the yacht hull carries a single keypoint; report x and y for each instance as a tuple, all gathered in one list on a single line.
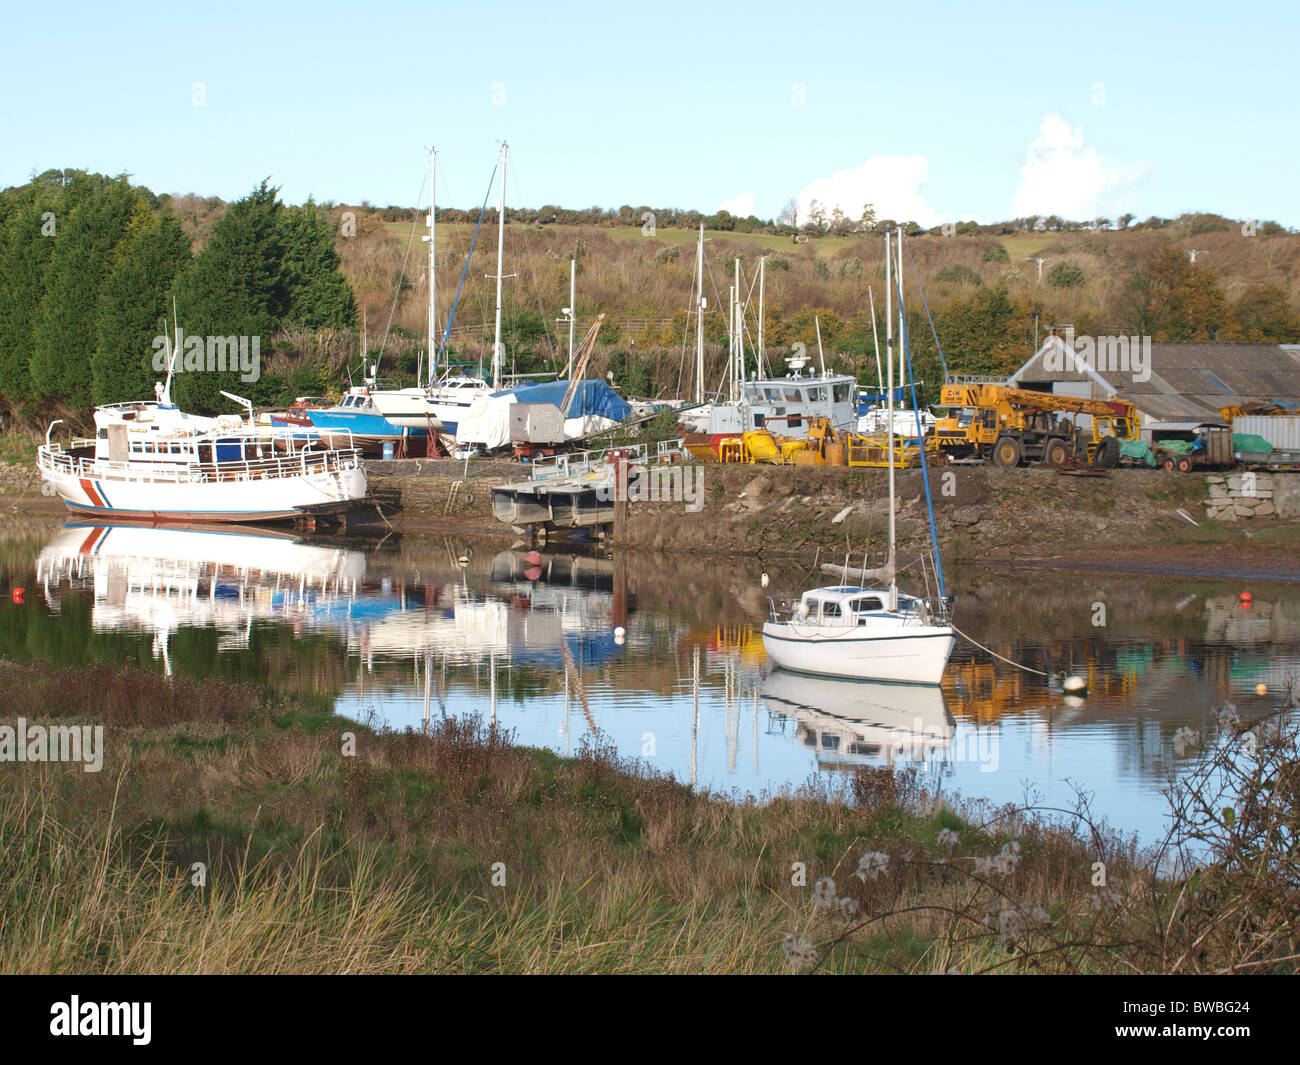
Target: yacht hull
[(913, 654), (234, 500)]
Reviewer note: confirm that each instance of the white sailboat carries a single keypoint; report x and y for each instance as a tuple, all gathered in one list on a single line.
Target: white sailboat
[(439, 403), (866, 632)]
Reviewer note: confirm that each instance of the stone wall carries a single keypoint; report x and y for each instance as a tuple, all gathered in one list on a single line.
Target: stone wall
[(1236, 496)]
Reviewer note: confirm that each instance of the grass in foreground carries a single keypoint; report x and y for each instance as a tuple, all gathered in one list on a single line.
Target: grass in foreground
[(227, 833)]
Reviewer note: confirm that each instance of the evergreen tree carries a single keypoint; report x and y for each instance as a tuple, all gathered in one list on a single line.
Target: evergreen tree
[(29, 218), (81, 259), (233, 288), (133, 307), (317, 295)]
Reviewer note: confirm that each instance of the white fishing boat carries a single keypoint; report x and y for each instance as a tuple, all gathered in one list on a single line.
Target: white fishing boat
[(785, 404), (151, 461), (861, 631)]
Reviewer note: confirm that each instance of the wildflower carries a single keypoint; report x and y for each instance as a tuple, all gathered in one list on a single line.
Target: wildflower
[(947, 837), (1228, 716), (1107, 895), (1185, 738), (1001, 864), (848, 907), (799, 950), (823, 893), (1012, 922), (872, 864)]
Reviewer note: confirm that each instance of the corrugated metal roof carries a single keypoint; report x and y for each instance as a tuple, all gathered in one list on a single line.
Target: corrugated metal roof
[(1191, 380)]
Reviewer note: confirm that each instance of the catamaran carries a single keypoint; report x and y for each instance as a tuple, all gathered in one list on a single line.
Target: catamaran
[(151, 461), (869, 632)]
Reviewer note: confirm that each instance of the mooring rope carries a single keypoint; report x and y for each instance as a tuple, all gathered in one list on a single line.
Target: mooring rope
[(1002, 658)]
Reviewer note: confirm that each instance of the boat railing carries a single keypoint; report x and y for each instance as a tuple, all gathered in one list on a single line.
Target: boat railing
[(577, 463), (580, 462), (927, 610), (52, 459), (775, 612), (670, 450)]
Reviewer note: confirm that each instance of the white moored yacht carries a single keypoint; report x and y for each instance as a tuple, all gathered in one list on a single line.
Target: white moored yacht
[(866, 632), (855, 632)]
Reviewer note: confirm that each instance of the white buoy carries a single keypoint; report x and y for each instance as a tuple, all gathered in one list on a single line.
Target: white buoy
[(1261, 689), (619, 632), (764, 580), (1075, 685)]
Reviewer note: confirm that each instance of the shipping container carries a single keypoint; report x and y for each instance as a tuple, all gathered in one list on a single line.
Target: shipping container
[(1280, 430)]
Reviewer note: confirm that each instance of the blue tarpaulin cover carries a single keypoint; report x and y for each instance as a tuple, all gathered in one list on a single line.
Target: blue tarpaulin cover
[(590, 397)]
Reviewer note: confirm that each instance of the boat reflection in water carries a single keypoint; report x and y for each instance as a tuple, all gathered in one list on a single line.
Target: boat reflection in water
[(155, 579), (851, 723)]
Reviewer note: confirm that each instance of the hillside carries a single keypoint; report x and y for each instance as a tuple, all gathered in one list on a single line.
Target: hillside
[(80, 314)]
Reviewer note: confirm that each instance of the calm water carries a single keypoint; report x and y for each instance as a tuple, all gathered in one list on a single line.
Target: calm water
[(426, 628)]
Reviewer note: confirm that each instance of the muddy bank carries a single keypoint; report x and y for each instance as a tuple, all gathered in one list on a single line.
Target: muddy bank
[(1127, 522), (980, 514)]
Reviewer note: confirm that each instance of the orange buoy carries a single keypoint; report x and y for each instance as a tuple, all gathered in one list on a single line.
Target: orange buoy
[(18, 595), (533, 558), (1245, 599)]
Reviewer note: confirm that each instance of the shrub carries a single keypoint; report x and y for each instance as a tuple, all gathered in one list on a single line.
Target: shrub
[(960, 274), (1066, 275)]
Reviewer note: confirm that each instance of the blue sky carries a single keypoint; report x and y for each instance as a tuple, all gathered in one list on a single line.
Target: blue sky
[(931, 111)]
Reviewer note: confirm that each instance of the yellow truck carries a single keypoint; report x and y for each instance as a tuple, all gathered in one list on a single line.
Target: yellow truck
[(1014, 426)]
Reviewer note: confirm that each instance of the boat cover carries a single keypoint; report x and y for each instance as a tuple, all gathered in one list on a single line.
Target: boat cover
[(595, 406)]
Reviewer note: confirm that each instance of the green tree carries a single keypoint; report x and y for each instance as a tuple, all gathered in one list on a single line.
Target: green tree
[(233, 288), (317, 295), (82, 258), (29, 219), (985, 334), (133, 307), (1066, 275)]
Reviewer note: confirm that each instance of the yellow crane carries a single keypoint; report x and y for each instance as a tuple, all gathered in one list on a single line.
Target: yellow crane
[(1012, 426)]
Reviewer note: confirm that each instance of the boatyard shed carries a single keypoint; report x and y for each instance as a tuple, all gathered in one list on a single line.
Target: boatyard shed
[(1172, 385)]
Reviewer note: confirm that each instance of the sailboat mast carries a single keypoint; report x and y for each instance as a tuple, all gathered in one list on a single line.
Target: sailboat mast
[(880, 380), (889, 431), (762, 275), (739, 374), (501, 246), (433, 266), (731, 342), (699, 319), (902, 326), (573, 308)]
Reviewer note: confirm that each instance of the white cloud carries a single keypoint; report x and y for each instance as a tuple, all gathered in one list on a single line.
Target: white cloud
[(890, 183), (742, 206), (1063, 176)]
